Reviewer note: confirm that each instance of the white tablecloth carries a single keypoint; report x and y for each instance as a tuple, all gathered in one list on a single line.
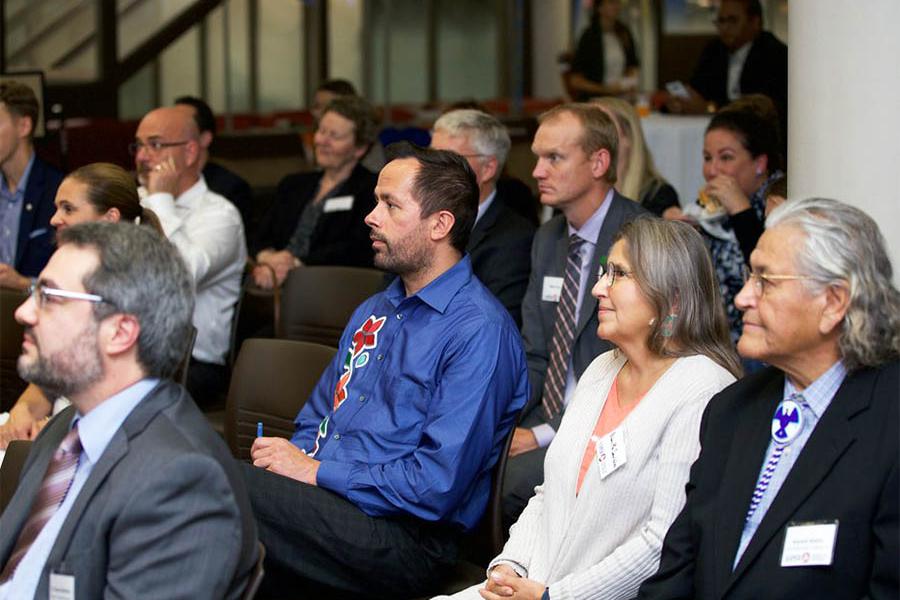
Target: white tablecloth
[(676, 143)]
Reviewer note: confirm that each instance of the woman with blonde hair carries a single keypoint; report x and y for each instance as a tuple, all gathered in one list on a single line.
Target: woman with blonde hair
[(94, 192), (636, 174)]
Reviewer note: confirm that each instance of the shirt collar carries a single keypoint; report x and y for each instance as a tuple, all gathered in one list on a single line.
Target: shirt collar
[(440, 291), (97, 428), (484, 206), (590, 231), (23, 181), (819, 393)]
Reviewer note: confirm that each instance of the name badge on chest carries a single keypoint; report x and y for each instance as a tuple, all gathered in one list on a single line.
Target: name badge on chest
[(809, 544), (337, 204), (62, 587), (610, 451), (552, 289)]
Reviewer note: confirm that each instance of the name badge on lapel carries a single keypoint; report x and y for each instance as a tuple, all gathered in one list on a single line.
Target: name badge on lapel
[(610, 451), (552, 289), (809, 544), (338, 204), (62, 587)]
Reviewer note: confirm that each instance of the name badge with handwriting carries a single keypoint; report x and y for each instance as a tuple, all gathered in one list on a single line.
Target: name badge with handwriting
[(337, 204), (552, 289), (809, 544), (610, 451)]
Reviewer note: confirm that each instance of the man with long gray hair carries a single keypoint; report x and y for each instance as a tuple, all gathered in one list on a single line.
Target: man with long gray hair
[(796, 491), (127, 493), (500, 242)]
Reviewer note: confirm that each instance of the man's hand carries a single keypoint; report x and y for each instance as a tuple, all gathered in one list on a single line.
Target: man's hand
[(523, 441), (10, 278), (505, 583), (284, 458), (281, 262), (163, 178)]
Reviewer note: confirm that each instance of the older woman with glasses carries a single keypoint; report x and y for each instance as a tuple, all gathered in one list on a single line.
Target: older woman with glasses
[(94, 192), (615, 472)]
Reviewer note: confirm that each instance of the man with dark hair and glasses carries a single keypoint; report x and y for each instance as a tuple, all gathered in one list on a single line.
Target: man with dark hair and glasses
[(744, 59), (128, 492), (205, 227)]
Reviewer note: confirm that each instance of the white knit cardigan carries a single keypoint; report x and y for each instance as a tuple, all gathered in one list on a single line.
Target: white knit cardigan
[(604, 542)]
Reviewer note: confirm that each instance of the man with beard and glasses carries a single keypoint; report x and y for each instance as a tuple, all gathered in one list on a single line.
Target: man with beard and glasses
[(392, 454), (127, 493)]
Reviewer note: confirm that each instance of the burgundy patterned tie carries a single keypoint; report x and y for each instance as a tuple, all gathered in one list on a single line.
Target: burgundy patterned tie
[(54, 487), (563, 333)]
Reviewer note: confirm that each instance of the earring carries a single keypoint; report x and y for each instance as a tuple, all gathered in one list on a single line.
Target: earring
[(668, 325), (652, 322)]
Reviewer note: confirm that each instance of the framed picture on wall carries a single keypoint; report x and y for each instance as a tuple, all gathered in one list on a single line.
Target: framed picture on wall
[(689, 17), (34, 80)]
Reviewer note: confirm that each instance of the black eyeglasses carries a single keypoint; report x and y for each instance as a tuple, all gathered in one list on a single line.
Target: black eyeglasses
[(613, 272), (153, 146)]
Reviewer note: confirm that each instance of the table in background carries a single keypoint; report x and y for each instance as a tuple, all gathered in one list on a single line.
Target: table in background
[(676, 143)]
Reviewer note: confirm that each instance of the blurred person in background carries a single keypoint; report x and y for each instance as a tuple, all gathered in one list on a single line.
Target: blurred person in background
[(605, 62)]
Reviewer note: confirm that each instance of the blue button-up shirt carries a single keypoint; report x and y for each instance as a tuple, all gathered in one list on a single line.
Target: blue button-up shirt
[(431, 383), (816, 399), (95, 430), (11, 214)]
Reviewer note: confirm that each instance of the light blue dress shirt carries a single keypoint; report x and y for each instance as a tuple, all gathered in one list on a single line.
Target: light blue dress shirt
[(817, 397), (95, 431), (589, 232), (11, 214)]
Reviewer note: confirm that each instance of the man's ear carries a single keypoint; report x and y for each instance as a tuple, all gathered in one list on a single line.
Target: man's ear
[(24, 126), (442, 224), (192, 152), (489, 168), (837, 303), (206, 139), (600, 160), (119, 334)]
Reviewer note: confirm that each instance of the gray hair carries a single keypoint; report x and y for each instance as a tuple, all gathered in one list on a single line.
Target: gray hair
[(486, 133), (843, 246), (141, 274), (674, 271)]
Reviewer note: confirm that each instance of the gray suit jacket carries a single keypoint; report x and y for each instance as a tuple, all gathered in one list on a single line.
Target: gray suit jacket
[(548, 258), (163, 514)]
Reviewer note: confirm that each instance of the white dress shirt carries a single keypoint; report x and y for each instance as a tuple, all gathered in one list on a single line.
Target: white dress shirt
[(208, 231)]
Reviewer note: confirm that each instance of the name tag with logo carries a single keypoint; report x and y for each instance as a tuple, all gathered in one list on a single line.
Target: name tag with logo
[(610, 451), (552, 289), (62, 587), (809, 544), (338, 204)]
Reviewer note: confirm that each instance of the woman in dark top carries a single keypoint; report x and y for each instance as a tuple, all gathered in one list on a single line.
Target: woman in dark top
[(605, 62), (318, 217), (636, 175)]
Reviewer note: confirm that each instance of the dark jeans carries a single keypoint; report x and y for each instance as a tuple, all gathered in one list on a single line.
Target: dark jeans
[(320, 545)]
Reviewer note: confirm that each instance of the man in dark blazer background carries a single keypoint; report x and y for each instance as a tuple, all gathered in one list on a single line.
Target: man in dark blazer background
[(576, 146), (500, 243), (796, 492), (27, 189), (128, 493)]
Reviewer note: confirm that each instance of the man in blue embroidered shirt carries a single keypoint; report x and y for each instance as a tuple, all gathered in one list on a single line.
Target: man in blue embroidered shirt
[(796, 491), (392, 454)]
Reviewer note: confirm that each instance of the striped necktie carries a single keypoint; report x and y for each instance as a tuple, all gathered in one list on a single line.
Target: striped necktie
[(563, 333), (56, 483)]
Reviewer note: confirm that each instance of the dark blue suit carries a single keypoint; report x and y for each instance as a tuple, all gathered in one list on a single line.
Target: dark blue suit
[(37, 239)]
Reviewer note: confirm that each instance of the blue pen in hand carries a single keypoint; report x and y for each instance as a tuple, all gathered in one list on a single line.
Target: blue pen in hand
[(259, 431)]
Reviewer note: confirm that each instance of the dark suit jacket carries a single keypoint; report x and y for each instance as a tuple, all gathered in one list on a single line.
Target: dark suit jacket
[(847, 471), (765, 72), (37, 240), (500, 250), (233, 188), (548, 258), (163, 514), (341, 237)]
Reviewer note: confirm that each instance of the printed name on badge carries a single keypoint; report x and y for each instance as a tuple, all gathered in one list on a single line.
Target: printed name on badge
[(809, 544), (62, 587), (337, 204), (610, 451), (552, 289)]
